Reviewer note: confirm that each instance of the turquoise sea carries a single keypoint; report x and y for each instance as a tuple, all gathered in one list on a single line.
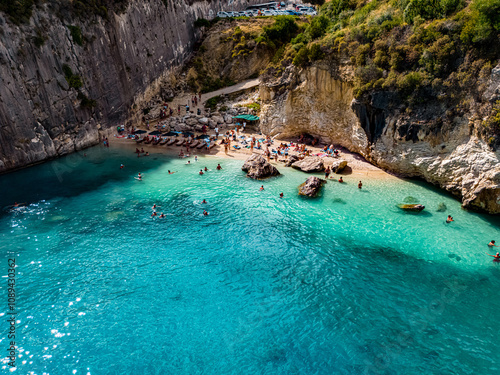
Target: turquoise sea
[(342, 284)]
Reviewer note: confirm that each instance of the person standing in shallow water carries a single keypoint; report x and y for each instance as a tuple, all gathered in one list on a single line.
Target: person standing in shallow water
[(360, 185), (492, 244), (327, 172)]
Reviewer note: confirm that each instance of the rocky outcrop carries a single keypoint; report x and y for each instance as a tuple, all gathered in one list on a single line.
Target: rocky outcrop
[(258, 168), (309, 164), (338, 166), (117, 60), (311, 187), (291, 159), (319, 101)]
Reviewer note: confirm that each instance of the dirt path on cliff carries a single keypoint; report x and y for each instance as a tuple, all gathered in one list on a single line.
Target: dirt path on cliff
[(186, 98)]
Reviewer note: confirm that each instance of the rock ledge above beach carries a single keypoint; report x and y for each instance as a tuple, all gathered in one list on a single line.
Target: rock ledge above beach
[(311, 187), (309, 164), (257, 167)]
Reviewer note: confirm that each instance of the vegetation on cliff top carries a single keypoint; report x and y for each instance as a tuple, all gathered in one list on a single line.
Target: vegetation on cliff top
[(438, 52)]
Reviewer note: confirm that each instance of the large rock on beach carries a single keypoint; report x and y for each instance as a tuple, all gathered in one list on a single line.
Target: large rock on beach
[(228, 119), (339, 165), (218, 119), (311, 187), (257, 167), (203, 121), (291, 159), (191, 121), (309, 164)]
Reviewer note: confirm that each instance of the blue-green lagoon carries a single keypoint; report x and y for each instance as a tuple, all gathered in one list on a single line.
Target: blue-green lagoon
[(343, 284)]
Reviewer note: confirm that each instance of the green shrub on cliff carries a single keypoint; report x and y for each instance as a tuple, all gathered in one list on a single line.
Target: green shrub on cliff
[(74, 80), (280, 32), (492, 126), (202, 22), (19, 11), (76, 34)]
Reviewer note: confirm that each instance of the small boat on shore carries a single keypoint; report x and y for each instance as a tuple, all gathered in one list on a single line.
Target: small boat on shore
[(164, 141), (171, 142), (194, 144), (201, 145), (411, 207)]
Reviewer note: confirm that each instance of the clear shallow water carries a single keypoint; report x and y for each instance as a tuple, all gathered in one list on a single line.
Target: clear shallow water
[(344, 284)]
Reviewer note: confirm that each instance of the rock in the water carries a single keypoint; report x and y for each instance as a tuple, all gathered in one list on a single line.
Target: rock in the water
[(292, 159), (311, 187), (441, 207), (339, 165), (309, 164), (257, 167)]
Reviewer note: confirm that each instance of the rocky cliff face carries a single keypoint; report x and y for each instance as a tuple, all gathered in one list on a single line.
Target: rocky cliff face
[(41, 116), (450, 154)]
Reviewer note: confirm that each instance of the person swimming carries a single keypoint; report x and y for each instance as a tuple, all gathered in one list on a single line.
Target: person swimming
[(121, 166), (204, 201), (360, 185), (281, 195), (496, 257), (154, 206), (162, 216), (205, 213), (341, 180), (139, 176), (492, 244), (153, 214), (196, 158), (188, 162), (261, 188), (201, 172), (206, 169), (171, 172), (219, 167), (449, 219), (147, 153)]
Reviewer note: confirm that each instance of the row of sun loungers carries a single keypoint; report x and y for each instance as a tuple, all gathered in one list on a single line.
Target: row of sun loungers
[(169, 141)]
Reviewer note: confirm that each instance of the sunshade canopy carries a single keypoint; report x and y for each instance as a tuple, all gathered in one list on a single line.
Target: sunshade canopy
[(247, 117)]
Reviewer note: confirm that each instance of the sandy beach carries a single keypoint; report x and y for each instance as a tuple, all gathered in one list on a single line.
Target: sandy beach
[(358, 167)]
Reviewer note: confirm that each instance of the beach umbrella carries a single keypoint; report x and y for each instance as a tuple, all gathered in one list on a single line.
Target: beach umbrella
[(156, 132), (140, 132), (203, 136), (170, 134)]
